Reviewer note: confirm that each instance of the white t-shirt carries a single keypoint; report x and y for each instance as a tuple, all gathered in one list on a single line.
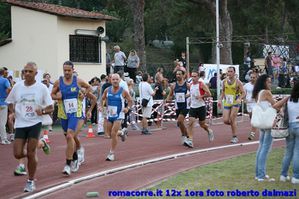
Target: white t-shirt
[(249, 88), (119, 58), (293, 111), (124, 85), (145, 92), (27, 99)]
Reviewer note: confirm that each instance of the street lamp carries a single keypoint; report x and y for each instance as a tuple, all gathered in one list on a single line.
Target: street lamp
[(218, 46)]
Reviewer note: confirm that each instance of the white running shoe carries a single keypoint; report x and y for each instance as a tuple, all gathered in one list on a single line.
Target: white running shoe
[(251, 135), (4, 142), (30, 186), (188, 143), (123, 134), (81, 155), (67, 170), (75, 166), (183, 139), (295, 180), (284, 178), (234, 140), (211, 135), (110, 157)]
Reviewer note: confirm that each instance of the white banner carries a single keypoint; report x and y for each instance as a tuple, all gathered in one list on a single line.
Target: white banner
[(210, 69)]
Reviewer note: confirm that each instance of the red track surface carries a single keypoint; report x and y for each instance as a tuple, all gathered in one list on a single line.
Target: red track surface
[(137, 148)]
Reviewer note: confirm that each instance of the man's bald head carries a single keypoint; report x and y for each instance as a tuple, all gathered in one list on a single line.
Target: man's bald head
[(31, 65), (115, 79)]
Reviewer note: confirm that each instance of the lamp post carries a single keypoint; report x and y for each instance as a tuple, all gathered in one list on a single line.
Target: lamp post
[(217, 50), (187, 56)]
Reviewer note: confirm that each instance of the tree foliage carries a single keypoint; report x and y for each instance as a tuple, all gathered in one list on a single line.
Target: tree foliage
[(258, 21)]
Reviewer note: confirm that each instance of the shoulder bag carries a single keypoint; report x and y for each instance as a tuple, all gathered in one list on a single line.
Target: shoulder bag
[(280, 127), (262, 119)]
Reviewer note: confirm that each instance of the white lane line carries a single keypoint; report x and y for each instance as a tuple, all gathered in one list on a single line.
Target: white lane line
[(130, 166)]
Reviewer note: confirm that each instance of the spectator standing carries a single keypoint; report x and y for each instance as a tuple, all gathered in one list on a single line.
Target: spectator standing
[(283, 73), (159, 95), (263, 96), (247, 60), (146, 92), (250, 103), (4, 90), (292, 141), (123, 84), (95, 89), (132, 115), (99, 106), (213, 82), (119, 59), (269, 65), (104, 107), (48, 77), (46, 82), (276, 61), (133, 64), (183, 59), (108, 63)]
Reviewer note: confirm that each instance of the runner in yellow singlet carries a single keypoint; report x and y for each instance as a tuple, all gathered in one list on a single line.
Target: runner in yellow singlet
[(232, 94)]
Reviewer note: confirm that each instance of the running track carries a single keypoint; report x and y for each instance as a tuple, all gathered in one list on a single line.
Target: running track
[(136, 149)]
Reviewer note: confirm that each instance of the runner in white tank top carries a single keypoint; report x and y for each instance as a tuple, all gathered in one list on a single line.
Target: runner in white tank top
[(198, 91)]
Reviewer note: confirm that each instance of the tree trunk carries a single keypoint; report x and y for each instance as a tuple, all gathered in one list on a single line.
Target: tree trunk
[(226, 32), (137, 7), (225, 29)]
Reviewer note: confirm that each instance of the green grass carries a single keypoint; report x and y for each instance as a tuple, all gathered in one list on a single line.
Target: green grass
[(229, 175)]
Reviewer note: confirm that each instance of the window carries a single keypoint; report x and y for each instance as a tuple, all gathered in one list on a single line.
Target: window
[(85, 48)]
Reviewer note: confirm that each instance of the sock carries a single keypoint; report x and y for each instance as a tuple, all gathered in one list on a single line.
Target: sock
[(22, 165), (68, 162), (75, 156)]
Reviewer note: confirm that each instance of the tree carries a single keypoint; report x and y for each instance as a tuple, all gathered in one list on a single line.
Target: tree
[(225, 27), (137, 8)]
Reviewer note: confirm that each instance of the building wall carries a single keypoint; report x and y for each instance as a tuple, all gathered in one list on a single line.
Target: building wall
[(66, 27), (34, 36), (44, 39)]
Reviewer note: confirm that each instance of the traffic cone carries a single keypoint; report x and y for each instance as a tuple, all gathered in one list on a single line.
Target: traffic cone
[(90, 133), (46, 137)]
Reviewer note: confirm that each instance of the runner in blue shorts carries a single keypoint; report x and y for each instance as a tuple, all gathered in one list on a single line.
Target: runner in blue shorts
[(114, 97), (67, 90)]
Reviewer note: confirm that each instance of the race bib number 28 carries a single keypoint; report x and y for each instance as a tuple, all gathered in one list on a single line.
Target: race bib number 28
[(28, 110)]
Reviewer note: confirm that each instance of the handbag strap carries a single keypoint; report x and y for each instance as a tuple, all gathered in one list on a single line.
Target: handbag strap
[(259, 96)]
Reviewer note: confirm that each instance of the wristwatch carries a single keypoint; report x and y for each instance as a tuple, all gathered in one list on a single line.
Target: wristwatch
[(43, 111)]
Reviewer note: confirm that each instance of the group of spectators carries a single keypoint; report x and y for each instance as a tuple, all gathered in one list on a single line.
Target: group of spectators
[(281, 70)]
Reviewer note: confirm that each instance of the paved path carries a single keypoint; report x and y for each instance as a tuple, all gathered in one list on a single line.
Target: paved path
[(136, 149)]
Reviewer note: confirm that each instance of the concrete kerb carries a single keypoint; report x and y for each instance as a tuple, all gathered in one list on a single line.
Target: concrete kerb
[(70, 183)]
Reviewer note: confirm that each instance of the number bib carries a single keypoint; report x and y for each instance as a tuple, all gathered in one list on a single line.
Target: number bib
[(70, 105), (180, 97), (229, 99), (112, 111), (28, 109)]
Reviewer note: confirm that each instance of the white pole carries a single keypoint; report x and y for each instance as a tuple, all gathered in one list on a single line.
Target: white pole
[(187, 57), (217, 50)]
